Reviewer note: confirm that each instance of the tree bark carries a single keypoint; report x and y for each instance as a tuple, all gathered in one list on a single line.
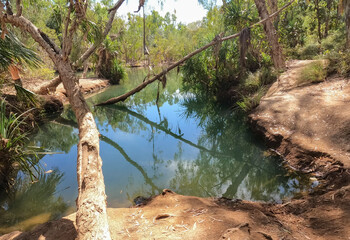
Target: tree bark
[(328, 16), (273, 5), (318, 16), (272, 36), (91, 202), (347, 21)]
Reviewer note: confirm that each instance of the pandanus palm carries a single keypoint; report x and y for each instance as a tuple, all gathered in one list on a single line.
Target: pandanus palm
[(13, 52)]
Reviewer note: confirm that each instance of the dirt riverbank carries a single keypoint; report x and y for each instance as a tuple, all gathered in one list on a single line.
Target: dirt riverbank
[(87, 85), (309, 126)]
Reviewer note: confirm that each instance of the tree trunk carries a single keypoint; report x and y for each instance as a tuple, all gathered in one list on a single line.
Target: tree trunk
[(318, 16), (348, 34), (272, 36), (91, 202), (347, 21), (328, 16), (273, 8)]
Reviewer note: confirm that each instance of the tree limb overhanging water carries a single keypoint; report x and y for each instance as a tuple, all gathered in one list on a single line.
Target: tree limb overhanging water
[(162, 74)]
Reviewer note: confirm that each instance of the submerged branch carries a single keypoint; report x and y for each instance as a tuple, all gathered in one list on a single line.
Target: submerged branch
[(215, 41)]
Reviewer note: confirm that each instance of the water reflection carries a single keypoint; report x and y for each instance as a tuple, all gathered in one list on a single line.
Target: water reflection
[(184, 143), (26, 204)]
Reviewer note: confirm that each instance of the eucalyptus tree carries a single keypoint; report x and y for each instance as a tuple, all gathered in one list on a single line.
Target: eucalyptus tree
[(344, 6), (271, 34), (91, 202)]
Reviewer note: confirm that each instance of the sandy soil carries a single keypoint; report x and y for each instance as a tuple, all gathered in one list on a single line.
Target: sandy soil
[(88, 85), (309, 127), (173, 216)]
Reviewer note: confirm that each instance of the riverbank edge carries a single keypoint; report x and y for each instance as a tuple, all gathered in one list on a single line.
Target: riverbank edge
[(88, 87), (329, 171)]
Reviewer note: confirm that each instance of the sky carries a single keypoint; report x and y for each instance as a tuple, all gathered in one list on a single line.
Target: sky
[(187, 11)]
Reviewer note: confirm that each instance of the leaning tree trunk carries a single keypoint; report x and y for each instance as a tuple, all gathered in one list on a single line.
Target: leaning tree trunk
[(272, 36), (49, 86), (91, 202)]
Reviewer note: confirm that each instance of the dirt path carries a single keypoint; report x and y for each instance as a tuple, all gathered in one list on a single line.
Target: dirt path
[(310, 127)]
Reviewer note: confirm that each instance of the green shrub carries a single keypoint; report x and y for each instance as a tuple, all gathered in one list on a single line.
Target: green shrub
[(268, 75), (313, 72), (117, 72), (335, 41), (309, 51), (250, 102), (339, 63), (108, 67), (255, 81), (12, 139), (40, 73)]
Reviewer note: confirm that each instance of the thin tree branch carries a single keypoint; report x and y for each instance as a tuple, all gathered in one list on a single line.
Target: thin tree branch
[(108, 27), (67, 22), (215, 41), (80, 13), (19, 8)]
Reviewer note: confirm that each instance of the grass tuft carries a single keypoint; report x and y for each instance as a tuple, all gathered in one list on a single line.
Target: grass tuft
[(312, 73)]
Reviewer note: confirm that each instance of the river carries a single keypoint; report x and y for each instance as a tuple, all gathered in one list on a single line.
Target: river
[(181, 142)]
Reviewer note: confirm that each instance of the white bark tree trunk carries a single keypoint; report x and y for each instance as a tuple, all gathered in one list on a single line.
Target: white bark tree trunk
[(91, 202)]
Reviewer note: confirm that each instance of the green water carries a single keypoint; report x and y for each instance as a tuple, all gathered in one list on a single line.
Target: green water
[(188, 145)]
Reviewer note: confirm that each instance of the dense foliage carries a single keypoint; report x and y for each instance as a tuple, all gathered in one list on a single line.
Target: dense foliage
[(307, 29)]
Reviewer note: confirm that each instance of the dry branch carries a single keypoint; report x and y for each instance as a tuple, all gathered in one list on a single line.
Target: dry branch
[(215, 41)]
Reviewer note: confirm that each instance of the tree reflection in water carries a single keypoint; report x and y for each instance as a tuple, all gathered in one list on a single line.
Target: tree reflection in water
[(185, 143)]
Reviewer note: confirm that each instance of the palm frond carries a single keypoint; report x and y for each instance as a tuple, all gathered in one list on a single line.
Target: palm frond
[(26, 96), (13, 51)]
